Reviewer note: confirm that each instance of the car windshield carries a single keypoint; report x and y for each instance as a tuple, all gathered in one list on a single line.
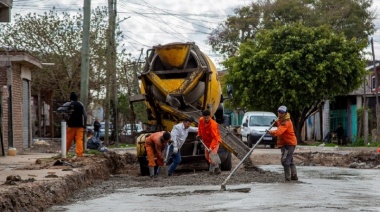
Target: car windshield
[(129, 126), (263, 121)]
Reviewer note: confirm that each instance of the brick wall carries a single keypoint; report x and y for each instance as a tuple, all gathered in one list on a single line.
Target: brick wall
[(16, 109)]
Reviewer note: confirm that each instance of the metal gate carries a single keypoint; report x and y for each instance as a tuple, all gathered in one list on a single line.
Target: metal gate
[(26, 114)]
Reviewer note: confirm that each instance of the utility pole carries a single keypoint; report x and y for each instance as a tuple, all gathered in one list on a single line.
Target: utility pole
[(111, 64), (114, 79), (85, 53), (85, 59), (376, 91)]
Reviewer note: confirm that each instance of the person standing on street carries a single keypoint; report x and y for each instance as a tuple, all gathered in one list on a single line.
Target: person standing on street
[(287, 141), (208, 131), (178, 135), (154, 146), (76, 125), (97, 126), (340, 134)]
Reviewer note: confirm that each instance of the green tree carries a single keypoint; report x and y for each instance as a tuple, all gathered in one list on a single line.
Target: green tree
[(353, 18), (296, 66), (56, 38)]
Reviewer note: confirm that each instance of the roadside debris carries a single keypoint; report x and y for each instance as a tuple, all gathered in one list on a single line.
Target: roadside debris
[(14, 179)]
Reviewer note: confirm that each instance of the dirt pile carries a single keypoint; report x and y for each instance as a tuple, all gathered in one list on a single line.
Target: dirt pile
[(30, 195), (359, 159)]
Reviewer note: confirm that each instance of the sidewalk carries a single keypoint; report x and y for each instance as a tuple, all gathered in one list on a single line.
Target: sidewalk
[(26, 167)]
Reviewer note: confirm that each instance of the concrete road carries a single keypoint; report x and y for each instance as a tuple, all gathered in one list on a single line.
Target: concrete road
[(320, 189)]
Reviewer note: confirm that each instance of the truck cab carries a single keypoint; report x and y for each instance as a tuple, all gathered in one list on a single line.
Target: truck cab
[(254, 125)]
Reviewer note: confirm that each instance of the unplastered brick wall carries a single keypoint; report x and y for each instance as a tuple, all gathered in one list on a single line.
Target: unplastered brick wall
[(4, 103), (16, 109)]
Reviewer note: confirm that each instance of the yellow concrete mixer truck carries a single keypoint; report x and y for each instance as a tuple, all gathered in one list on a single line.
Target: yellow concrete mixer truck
[(180, 81)]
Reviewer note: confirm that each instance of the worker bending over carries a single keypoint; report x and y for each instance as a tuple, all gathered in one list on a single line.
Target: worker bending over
[(154, 146)]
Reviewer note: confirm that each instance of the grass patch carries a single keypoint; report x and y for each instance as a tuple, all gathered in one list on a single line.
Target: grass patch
[(114, 146), (358, 143), (93, 152)]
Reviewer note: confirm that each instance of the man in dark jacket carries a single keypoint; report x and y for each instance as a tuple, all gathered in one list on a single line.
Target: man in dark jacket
[(97, 126), (76, 125)]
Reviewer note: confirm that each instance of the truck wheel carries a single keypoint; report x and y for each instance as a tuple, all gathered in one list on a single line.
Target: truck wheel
[(272, 146), (249, 142), (227, 163), (144, 169)]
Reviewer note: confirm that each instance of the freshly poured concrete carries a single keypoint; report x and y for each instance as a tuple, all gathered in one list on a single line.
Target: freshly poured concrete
[(319, 189)]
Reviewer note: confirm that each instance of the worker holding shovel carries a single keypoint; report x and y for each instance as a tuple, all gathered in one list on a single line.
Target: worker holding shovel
[(208, 133), (287, 141), (154, 145), (179, 134)]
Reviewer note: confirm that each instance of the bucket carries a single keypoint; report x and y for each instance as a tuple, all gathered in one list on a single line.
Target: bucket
[(12, 151)]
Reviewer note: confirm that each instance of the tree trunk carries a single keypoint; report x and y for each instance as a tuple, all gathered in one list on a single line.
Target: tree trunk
[(297, 125)]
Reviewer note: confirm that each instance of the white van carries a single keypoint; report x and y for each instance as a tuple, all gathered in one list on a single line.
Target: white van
[(254, 125), (127, 129)]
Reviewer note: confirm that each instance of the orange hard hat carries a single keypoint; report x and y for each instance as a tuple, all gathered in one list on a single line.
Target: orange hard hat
[(378, 150)]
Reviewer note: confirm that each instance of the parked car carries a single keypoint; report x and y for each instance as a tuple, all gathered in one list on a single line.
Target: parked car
[(127, 129), (103, 130), (89, 127), (254, 125)]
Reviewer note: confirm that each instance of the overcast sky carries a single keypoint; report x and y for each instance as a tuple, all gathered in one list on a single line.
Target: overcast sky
[(152, 22)]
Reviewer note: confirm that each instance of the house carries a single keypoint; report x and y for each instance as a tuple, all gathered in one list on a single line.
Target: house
[(15, 99), (344, 109)]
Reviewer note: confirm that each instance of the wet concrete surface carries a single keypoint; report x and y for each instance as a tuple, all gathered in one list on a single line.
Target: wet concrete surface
[(319, 189)]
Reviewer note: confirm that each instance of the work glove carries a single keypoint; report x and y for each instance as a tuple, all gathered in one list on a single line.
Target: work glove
[(275, 123), (198, 137), (175, 150)]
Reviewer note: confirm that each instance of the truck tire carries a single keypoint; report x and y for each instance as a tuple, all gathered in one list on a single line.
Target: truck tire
[(272, 146), (144, 169), (227, 163)]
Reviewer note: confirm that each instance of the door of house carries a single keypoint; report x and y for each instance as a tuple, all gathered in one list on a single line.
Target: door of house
[(336, 117)]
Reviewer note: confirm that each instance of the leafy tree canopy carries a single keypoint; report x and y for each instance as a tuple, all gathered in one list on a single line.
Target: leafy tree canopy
[(353, 18), (57, 38), (296, 66)]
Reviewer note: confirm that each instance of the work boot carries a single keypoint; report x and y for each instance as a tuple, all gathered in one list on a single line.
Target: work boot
[(217, 171), (287, 173), (151, 171), (293, 172), (212, 168)]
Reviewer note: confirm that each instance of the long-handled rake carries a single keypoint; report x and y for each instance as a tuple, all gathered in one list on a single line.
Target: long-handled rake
[(223, 186)]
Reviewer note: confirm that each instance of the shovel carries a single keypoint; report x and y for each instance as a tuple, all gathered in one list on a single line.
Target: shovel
[(214, 157), (223, 186), (165, 169)]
